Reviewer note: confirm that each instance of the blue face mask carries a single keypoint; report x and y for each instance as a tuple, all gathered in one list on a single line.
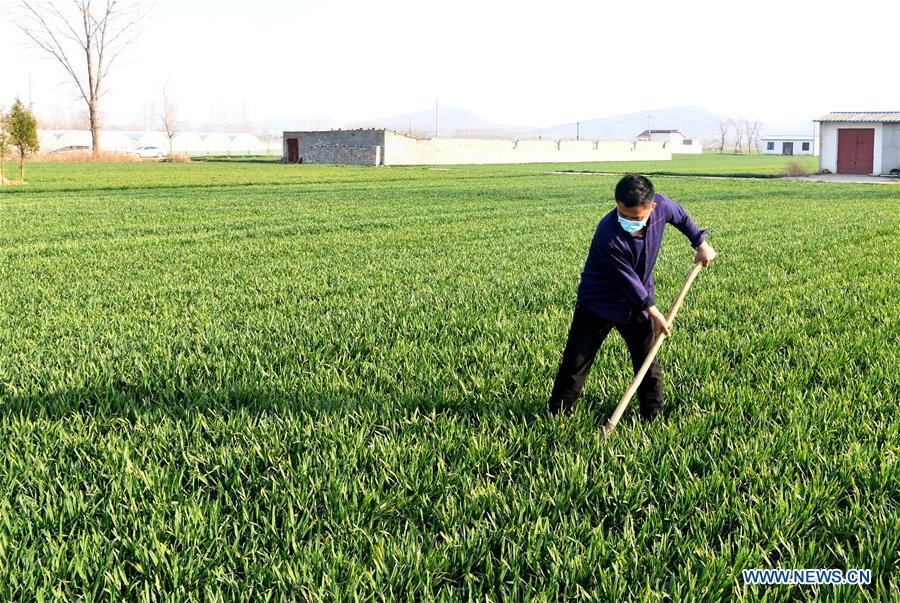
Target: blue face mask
[(632, 225)]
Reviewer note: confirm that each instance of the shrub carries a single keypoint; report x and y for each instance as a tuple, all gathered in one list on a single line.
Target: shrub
[(85, 156), (795, 169)]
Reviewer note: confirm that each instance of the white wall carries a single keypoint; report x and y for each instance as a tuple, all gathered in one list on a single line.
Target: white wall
[(404, 150), (674, 141), (679, 148), (828, 135), (890, 151), (666, 137)]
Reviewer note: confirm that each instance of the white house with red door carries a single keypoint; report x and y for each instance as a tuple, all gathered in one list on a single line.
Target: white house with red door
[(860, 143)]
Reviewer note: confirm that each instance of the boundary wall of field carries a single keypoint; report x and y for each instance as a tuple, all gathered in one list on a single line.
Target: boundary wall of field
[(385, 147), (405, 150)]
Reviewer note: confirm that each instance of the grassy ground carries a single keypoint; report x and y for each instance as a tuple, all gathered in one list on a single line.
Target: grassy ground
[(251, 380), (709, 164), (260, 171)]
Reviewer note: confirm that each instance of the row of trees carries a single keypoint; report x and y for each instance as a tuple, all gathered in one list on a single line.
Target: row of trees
[(18, 130), (745, 130)]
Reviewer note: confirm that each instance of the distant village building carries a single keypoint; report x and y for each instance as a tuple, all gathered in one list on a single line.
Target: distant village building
[(380, 146), (789, 145), (674, 140), (860, 143)]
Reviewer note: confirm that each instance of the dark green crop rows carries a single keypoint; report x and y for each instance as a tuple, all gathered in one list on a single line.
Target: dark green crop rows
[(267, 382)]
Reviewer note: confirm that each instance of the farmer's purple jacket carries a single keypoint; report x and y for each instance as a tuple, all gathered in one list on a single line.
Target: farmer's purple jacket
[(617, 280)]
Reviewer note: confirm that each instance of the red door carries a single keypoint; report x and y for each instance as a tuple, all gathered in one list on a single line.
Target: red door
[(856, 151), (293, 150)]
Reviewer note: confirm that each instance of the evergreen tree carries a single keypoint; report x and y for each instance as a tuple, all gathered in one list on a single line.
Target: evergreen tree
[(22, 128), (4, 143)]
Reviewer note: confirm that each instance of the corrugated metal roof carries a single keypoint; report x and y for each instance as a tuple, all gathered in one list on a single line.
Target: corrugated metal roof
[(645, 132), (890, 116)]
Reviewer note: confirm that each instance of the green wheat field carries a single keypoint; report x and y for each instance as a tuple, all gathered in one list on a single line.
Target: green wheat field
[(242, 380)]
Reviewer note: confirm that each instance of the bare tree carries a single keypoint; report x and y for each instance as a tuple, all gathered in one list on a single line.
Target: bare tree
[(724, 124), (755, 129), (167, 115), (86, 37), (747, 126), (738, 135)]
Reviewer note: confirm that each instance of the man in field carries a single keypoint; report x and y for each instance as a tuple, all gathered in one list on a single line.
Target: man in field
[(616, 290)]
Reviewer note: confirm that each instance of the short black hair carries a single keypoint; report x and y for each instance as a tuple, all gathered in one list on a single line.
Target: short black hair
[(634, 189)]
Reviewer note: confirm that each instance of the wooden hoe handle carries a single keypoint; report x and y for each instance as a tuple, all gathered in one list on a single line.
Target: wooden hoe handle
[(623, 403)]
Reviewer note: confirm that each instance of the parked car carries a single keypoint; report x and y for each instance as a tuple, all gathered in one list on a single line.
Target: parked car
[(148, 151), (75, 148)]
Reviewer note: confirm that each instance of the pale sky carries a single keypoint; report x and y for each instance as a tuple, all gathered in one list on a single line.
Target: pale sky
[(522, 63)]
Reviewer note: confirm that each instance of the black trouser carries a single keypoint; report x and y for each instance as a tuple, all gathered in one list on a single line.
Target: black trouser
[(585, 336)]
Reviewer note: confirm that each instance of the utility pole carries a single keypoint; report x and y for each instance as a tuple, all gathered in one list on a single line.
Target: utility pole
[(409, 127), (649, 127), (577, 130), (435, 118), (30, 101)]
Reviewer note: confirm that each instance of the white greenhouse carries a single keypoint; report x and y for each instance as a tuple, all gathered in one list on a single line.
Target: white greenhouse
[(75, 138), (244, 144), (154, 139), (217, 144), (48, 140), (116, 142), (188, 143)]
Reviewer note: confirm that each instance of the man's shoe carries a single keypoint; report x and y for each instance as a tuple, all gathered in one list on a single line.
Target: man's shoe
[(557, 407), (648, 415)]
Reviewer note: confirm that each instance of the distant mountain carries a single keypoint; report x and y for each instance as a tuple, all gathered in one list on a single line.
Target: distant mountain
[(692, 121), (277, 125)]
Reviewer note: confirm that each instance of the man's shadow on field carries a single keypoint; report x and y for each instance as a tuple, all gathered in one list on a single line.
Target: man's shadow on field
[(602, 408), (130, 403)]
